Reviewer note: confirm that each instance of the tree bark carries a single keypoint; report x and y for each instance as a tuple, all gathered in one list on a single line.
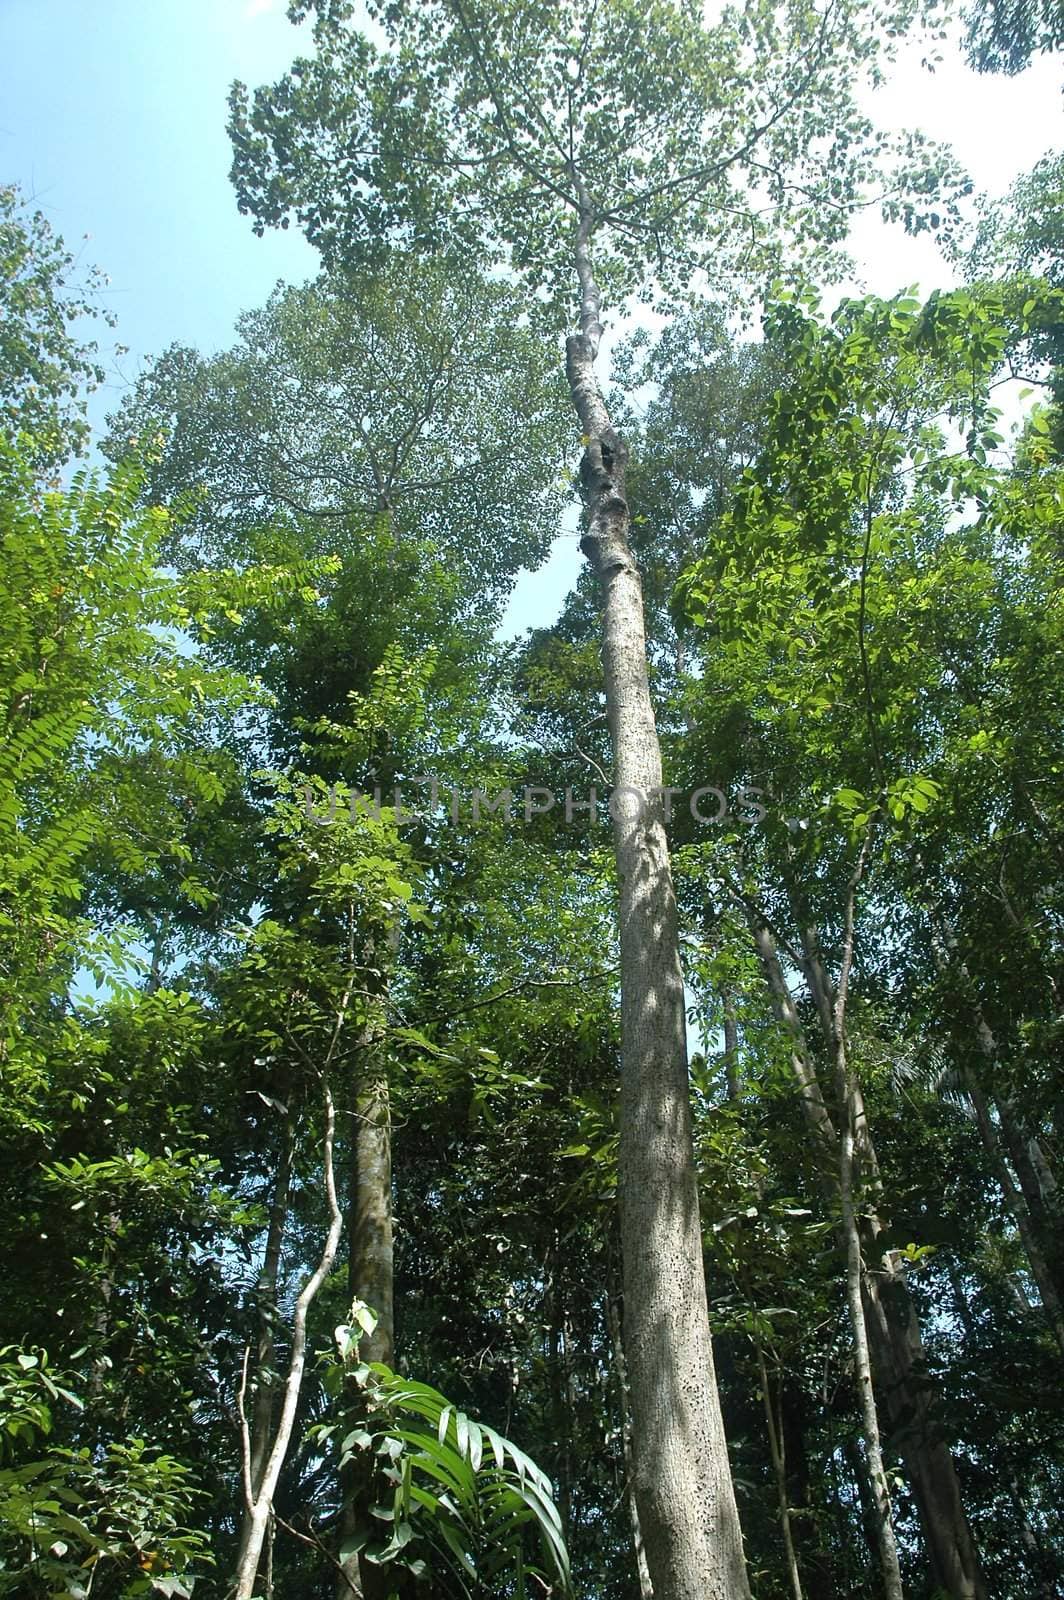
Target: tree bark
[(1039, 1190), (646, 1588), (683, 1483), (849, 1110), (370, 1277), (265, 1352), (370, 1246), (813, 1549), (907, 1400), (1017, 1201), (731, 1045), (259, 1505)]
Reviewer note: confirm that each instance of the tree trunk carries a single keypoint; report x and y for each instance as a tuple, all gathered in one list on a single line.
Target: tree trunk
[(892, 1330), (370, 1278), (370, 1247), (259, 1503), (683, 1483), (1017, 1200), (813, 1550), (907, 1399), (881, 1510), (646, 1588), (1039, 1190), (777, 1452), (860, 1481), (851, 1115), (266, 1314), (1025, 1196), (731, 1045)]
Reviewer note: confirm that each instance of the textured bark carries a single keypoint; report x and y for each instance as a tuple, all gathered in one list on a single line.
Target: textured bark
[(370, 1277), (683, 1483), (850, 1111), (370, 1258), (646, 1588)]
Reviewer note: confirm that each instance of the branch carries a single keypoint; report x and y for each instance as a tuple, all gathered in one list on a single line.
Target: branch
[(245, 1435), (516, 988), (316, 1543), (848, 936), (516, 152)]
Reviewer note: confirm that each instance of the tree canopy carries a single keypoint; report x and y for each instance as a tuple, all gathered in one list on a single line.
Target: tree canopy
[(577, 1114)]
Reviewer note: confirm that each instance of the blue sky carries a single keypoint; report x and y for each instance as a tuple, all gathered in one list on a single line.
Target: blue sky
[(112, 113)]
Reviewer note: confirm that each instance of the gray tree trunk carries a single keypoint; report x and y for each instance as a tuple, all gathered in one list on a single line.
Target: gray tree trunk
[(370, 1277), (1025, 1195), (266, 1315), (683, 1484), (259, 1501), (646, 1588), (852, 1118)]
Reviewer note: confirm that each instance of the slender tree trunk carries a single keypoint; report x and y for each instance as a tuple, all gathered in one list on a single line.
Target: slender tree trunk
[(1024, 1195), (266, 1315), (813, 1551), (777, 1448), (259, 1504), (1016, 1201), (900, 1361), (565, 1470), (683, 1483), (101, 1319), (849, 1109), (882, 1517), (892, 1329), (259, 1499), (858, 1466), (1044, 1569), (646, 1588), (731, 1044), (370, 1275), (1039, 1190)]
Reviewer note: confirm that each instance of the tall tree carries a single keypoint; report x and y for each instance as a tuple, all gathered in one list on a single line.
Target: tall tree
[(587, 147), (357, 419)]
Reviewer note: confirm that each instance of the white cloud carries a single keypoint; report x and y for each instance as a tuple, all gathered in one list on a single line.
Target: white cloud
[(260, 8)]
